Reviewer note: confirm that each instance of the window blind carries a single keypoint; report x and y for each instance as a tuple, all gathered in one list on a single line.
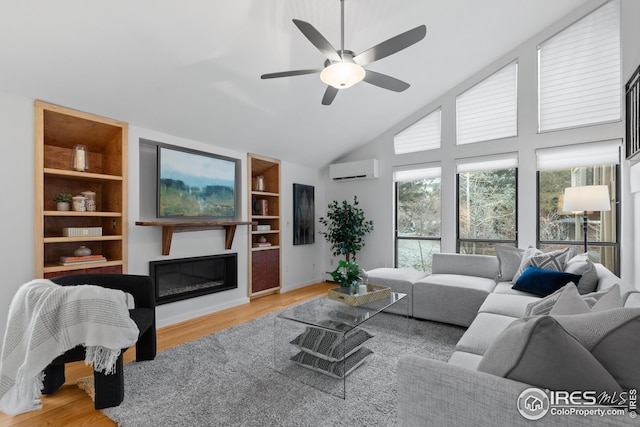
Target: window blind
[(579, 155), (423, 135), (579, 72), (489, 110), (477, 164), (416, 174)]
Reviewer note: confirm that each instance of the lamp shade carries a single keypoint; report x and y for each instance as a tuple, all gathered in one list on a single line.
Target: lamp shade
[(586, 198)]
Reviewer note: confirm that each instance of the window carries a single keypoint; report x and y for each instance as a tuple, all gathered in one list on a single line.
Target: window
[(420, 136), (487, 203), (572, 166), (489, 110), (418, 217), (579, 72)]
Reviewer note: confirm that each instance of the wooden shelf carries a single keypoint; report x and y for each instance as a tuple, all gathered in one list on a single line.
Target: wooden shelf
[(84, 266), (56, 131), (83, 214), (88, 176), (170, 227), (81, 239), (264, 261)]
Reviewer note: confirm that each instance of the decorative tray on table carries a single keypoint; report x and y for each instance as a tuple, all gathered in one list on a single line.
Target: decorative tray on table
[(353, 297)]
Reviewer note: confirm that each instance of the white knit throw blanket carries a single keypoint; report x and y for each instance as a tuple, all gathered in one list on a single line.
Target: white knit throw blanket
[(45, 320)]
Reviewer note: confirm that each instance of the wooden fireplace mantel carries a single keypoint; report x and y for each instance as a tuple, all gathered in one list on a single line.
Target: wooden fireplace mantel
[(170, 227)]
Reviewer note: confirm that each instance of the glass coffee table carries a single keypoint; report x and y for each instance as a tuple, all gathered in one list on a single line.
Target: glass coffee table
[(320, 342)]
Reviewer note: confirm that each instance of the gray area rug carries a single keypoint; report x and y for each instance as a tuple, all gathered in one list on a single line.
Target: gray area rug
[(227, 379)]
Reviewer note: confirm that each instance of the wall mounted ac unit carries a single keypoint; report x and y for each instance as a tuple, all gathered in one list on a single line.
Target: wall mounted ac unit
[(361, 169)]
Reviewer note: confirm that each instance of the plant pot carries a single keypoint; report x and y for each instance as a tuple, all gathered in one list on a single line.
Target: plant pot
[(63, 206)]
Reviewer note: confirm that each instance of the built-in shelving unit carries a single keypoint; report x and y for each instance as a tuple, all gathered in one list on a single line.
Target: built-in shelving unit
[(57, 131), (264, 212)]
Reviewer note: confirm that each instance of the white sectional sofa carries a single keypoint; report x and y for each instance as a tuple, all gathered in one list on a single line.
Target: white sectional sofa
[(467, 290)]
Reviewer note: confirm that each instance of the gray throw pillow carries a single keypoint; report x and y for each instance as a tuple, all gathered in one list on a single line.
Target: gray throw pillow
[(538, 351), (613, 338), (546, 304), (509, 259), (582, 265), (554, 260), (571, 302)]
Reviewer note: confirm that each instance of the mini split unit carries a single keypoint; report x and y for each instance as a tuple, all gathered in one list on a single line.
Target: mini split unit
[(362, 169)]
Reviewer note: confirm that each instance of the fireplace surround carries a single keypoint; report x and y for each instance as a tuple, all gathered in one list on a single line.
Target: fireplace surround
[(183, 278)]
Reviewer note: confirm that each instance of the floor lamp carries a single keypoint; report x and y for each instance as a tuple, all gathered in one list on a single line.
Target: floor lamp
[(584, 199)]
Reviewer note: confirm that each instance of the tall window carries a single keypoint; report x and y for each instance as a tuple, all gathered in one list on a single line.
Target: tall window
[(579, 72), (487, 203), (573, 166), (423, 135), (418, 217), (489, 110)]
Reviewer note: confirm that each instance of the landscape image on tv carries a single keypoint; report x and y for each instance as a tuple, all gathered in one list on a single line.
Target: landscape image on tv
[(195, 184)]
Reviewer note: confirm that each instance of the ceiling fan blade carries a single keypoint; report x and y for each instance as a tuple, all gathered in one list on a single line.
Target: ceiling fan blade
[(329, 95), (385, 82), (290, 73), (317, 40), (391, 46)]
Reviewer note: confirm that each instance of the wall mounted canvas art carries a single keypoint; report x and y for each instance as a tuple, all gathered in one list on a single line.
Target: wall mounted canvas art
[(303, 214)]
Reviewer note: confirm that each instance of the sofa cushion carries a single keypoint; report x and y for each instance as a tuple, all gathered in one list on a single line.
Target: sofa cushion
[(632, 300), (399, 280), (539, 351), (543, 282), (509, 260), (507, 305), (450, 298), (553, 260), (507, 288), (482, 332), (571, 302), (582, 265), (465, 360), (613, 337)]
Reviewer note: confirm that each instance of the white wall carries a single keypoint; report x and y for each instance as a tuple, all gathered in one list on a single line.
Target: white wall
[(16, 172), (377, 197), (301, 264)]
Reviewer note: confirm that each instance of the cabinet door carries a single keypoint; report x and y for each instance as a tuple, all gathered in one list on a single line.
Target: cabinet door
[(265, 270)]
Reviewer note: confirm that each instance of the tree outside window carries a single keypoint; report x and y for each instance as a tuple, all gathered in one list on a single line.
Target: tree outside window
[(487, 205), (418, 219)]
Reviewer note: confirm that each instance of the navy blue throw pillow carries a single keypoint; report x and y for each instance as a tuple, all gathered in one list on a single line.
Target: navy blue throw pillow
[(543, 282)]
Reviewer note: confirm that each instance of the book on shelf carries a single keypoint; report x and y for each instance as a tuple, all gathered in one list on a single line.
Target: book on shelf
[(261, 244), (73, 260)]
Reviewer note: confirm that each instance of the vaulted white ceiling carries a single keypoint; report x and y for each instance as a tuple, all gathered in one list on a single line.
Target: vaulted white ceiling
[(192, 68)]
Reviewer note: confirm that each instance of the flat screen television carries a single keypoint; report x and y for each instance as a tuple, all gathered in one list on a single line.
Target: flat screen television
[(195, 184)]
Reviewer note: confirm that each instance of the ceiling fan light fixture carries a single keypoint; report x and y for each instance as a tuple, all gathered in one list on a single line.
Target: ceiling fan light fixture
[(342, 75)]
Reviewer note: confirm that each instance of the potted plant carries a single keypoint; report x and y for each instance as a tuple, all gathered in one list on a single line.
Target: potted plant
[(346, 226), (63, 201), (347, 274)]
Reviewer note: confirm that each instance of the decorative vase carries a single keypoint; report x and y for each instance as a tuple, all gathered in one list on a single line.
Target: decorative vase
[(63, 206), (82, 251)]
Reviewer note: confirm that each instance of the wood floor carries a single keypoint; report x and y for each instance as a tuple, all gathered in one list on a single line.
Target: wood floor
[(70, 406)]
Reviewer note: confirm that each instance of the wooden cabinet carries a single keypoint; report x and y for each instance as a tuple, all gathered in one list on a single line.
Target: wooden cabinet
[(264, 238), (57, 131)]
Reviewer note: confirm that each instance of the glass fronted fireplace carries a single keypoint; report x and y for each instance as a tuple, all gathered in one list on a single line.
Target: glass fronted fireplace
[(178, 279)]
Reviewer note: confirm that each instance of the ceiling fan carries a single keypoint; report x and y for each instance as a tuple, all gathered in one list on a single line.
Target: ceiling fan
[(343, 68)]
